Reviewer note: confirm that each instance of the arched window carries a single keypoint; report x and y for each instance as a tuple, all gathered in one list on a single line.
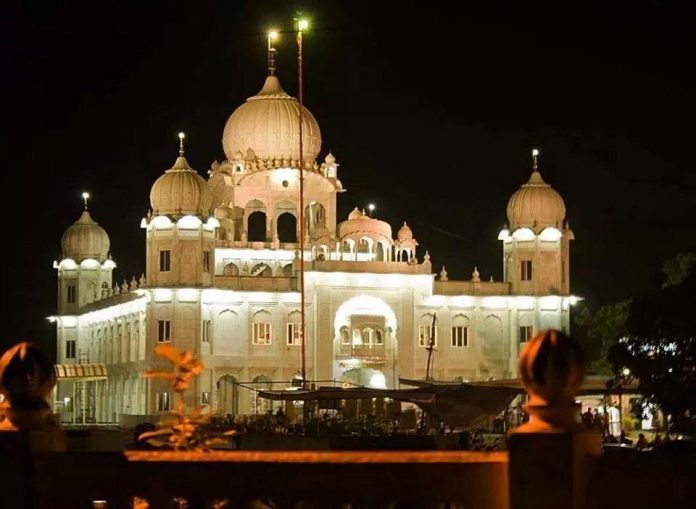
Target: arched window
[(230, 269), (357, 337), (460, 331), (345, 335), (368, 335), (365, 245), (256, 227), (261, 269), (286, 227), (425, 329), (261, 405)]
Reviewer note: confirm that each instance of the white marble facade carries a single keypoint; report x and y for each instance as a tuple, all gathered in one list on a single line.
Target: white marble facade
[(221, 280)]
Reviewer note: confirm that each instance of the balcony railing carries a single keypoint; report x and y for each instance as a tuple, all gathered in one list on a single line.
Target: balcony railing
[(362, 351)]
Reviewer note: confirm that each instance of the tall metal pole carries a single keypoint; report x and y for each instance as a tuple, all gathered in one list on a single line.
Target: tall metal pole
[(303, 325)]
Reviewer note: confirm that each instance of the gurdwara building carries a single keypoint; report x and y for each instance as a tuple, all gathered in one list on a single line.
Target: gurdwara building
[(222, 280)]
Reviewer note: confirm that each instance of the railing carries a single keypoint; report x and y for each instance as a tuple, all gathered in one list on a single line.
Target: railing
[(256, 283), (422, 479), (362, 351)]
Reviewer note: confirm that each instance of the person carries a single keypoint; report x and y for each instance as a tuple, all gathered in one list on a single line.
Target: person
[(641, 443), (657, 440), (587, 418), (27, 378), (623, 439)]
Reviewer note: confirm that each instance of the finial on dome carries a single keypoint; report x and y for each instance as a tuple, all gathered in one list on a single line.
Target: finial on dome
[(181, 143), (475, 276), (272, 36), (535, 158), (85, 197)]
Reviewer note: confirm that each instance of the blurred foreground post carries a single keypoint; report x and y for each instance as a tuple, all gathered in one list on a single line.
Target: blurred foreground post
[(551, 455)]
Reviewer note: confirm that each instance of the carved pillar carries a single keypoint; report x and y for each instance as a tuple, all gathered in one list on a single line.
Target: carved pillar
[(551, 455)]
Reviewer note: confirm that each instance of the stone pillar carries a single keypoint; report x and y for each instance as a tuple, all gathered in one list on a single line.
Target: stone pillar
[(551, 455)]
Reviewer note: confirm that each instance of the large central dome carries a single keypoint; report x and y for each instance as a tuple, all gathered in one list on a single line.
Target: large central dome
[(268, 123)]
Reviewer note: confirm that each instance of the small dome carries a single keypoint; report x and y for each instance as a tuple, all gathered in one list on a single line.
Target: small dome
[(404, 233), (364, 225), (329, 159), (180, 191), (85, 239), (355, 214), (535, 205), (268, 123)]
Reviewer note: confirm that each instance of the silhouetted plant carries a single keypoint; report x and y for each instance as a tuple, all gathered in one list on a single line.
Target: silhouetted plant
[(182, 430)]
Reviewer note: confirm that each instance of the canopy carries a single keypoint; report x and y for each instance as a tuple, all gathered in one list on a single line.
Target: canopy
[(336, 393), (593, 384), (81, 372)]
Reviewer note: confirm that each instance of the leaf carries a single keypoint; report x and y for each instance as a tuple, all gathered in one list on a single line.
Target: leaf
[(165, 375), (231, 432), (157, 443), (198, 411), (159, 432), (170, 353)]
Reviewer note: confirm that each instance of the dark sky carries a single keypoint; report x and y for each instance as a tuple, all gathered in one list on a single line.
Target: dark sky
[(431, 109)]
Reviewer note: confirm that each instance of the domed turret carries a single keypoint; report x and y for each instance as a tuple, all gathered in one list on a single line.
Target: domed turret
[(404, 233), (535, 205), (180, 191), (85, 239), (268, 123)]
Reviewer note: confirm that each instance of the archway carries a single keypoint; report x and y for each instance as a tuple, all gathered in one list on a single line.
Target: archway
[(286, 227), (261, 406), (365, 330), (228, 395), (256, 227)]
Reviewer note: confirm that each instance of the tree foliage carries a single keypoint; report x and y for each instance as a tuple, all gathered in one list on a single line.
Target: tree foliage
[(659, 348), (604, 328)]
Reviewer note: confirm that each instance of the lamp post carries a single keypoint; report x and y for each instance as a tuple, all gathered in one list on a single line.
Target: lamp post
[(301, 25)]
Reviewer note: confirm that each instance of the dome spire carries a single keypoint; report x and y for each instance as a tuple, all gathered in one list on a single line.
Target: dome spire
[(535, 159), (272, 36), (85, 197), (181, 143)]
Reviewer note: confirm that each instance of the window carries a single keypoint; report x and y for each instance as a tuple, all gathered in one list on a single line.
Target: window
[(205, 337), (378, 337), (424, 336), (72, 294), (163, 402), (526, 333), (205, 398), (460, 336), (206, 261), (70, 349), (526, 270), (261, 334), (345, 336), (164, 261), (294, 336), (367, 335), (164, 331)]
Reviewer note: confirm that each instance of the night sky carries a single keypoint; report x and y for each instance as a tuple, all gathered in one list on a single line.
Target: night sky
[(431, 110)]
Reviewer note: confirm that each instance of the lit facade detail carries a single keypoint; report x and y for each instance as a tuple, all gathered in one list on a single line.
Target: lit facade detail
[(221, 279)]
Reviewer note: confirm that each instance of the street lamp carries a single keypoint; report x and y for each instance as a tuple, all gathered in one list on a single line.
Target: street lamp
[(302, 25)]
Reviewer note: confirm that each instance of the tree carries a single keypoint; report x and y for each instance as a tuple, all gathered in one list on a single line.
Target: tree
[(659, 348), (604, 328)]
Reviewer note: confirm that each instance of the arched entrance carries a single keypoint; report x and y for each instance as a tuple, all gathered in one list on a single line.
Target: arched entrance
[(365, 343), (228, 395), (256, 227), (287, 227), (261, 406)]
